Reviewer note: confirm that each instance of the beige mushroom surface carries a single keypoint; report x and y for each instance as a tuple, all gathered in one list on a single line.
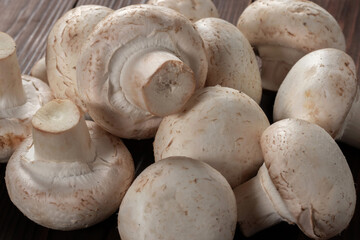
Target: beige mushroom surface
[(178, 198), (39, 71)]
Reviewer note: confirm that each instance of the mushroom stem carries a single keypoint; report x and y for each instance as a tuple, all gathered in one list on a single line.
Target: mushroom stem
[(11, 90), (157, 81), (60, 133), (259, 204)]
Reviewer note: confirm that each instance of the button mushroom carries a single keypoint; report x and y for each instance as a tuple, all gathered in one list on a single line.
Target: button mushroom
[(305, 180), (20, 97), (70, 174), (219, 126), (178, 198), (192, 9), (231, 59), (283, 31), (322, 88), (140, 62), (39, 70)]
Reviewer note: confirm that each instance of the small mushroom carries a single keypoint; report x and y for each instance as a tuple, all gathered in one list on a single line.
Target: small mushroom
[(192, 9), (283, 31), (39, 70), (305, 180), (64, 44), (70, 174), (20, 97), (322, 88), (140, 63), (231, 59), (219, 126), (178, 198)]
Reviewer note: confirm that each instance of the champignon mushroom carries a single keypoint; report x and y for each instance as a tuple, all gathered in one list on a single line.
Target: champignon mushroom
[(322, 88), (283, 31), (231, 59), (178, 198), (20, 97), (69, 174), (192, 9), (305, 180), (39, 70), (140, 62), (219, 126), (63, 49)]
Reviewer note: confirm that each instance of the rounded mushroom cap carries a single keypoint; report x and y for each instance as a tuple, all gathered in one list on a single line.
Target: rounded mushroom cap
[(219, 126), (70, 195), (119, 36), (312, 176), (64, 44), (178, 198), (231, 59), (192, 9), (320, 88), (39, 70), (16, 122)]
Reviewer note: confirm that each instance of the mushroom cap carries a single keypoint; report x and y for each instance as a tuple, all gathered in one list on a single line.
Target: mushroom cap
[(231, 59), (192, 9), (70, 195), (120, 35), (39, 70), (311, 175), (178, 198), (219, 126), (16, 122), (63, 48), (320, 88)]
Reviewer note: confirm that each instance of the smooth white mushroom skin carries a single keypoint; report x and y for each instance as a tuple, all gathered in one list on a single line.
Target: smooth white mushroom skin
[(39, 70), (73, 180), (178, 198), (284, 31), (144, 33), (219, 126), (320, 88), (192, 9), (231, 59), (351, 127)]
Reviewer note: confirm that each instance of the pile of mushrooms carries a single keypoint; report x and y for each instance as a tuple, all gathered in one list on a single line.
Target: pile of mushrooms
[(194, 83)]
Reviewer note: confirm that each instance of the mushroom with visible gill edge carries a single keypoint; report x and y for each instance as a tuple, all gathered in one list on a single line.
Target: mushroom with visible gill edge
[(20, 97), (322, 88), (70, 174), (140, 63), (178, 198), (283, 31), (219, 126), (305, 180)]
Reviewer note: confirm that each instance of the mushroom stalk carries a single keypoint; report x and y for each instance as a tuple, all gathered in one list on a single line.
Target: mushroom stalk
[(60, 134), (11, 90), (259, 204), (157, 81)]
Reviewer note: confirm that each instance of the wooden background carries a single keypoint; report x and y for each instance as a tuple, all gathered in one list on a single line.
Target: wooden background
[(29, 22)]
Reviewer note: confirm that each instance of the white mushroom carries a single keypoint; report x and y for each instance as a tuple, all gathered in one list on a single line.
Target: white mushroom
[(64, 44), (20, 97), (219, 126), (192, 9), (305, 180), (285, 30), (70, 174), (39, 70), (322, 88), (140, 62), (231, 59), (178, 198)]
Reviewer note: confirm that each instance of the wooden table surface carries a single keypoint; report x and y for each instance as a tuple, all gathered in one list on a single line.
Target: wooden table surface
[(29, 22)]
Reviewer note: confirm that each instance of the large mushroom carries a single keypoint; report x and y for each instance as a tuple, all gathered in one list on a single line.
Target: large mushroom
[(305, 180), (140, 63), (283, 31), (20, 97), (231, 59), (219, 126), (178, 198), (70, 174), (322, 88)]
